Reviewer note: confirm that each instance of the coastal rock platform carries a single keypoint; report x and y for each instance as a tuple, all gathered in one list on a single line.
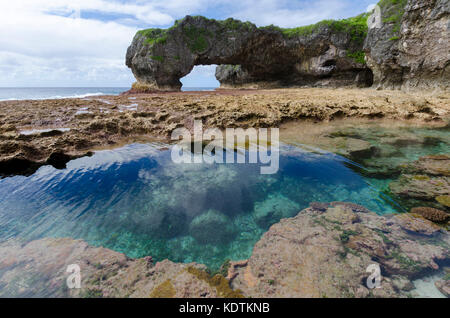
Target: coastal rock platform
[(38, 132)]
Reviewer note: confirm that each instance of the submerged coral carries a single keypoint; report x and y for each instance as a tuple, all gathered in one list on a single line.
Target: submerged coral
[(273, 209), (431, 214), (211, 227)]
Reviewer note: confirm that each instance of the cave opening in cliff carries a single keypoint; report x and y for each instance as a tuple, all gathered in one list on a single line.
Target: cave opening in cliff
[(201, 78)]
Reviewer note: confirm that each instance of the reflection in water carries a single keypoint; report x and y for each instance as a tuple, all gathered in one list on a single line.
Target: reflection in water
[(137, 201)]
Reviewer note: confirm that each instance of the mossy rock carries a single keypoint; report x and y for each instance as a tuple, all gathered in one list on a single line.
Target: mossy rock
[(164, 290), (444, 200), (218, 281)]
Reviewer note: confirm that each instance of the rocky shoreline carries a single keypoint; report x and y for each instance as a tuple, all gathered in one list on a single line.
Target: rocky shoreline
[(38, 132), (324, 251)]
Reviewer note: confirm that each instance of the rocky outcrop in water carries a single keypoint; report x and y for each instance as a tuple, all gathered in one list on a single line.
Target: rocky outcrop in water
[(328, 53), (425, 180), (408, 47), (325, 250)]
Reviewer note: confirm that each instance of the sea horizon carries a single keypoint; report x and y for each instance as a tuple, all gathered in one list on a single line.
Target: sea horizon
[(39, 93)]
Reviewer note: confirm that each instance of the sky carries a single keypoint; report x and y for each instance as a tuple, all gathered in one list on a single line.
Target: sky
[(82, 43)]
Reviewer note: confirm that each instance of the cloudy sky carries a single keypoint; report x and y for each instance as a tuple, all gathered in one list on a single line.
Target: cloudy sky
[(82, 43)]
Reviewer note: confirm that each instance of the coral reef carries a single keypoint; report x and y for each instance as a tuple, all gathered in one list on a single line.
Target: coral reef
[(210, 227), (325, 254), (431, 214), (274, 208)]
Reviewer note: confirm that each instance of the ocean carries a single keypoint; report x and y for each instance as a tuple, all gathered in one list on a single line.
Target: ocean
[(22, 93)]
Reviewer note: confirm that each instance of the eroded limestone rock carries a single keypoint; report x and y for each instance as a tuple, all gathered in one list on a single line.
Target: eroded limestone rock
[(328, 53)]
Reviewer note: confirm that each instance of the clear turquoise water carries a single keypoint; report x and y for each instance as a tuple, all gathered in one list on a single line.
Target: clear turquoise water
[(135, 200)]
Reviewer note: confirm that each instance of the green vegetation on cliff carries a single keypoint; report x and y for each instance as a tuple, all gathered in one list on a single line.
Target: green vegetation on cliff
[(197, 38), (154, 36), (392, 11), (358, 56), (356, 27)]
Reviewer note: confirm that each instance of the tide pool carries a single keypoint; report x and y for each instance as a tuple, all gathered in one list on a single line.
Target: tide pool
[(135, 200)]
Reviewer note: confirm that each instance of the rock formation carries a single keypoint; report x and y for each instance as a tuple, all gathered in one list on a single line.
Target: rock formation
[(408, 47), (405, 46), (327, 53)]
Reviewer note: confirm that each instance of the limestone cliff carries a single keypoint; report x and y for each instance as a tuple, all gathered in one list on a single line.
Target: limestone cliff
[(409, 46), (327, 53)]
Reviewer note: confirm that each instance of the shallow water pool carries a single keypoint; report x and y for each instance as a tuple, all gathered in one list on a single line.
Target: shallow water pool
[(135, 200)]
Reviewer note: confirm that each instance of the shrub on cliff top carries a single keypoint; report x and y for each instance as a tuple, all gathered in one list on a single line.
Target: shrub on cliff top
[(197, 38), (356, 27), (392, 11)]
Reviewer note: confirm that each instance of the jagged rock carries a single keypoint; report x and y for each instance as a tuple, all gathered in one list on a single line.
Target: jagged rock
[(408, 46), (233, 76), (38, 269), (328, 53)]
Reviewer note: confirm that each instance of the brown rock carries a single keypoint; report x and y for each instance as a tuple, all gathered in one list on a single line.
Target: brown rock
[(431, 214)]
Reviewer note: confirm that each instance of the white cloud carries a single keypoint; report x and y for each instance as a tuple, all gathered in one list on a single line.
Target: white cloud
[(289, 14)]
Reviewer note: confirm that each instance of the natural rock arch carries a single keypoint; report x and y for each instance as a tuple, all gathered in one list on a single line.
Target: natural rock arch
[(327, 53)]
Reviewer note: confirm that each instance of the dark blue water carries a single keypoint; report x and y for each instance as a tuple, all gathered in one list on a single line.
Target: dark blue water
[(21, 93), (137, 201)]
